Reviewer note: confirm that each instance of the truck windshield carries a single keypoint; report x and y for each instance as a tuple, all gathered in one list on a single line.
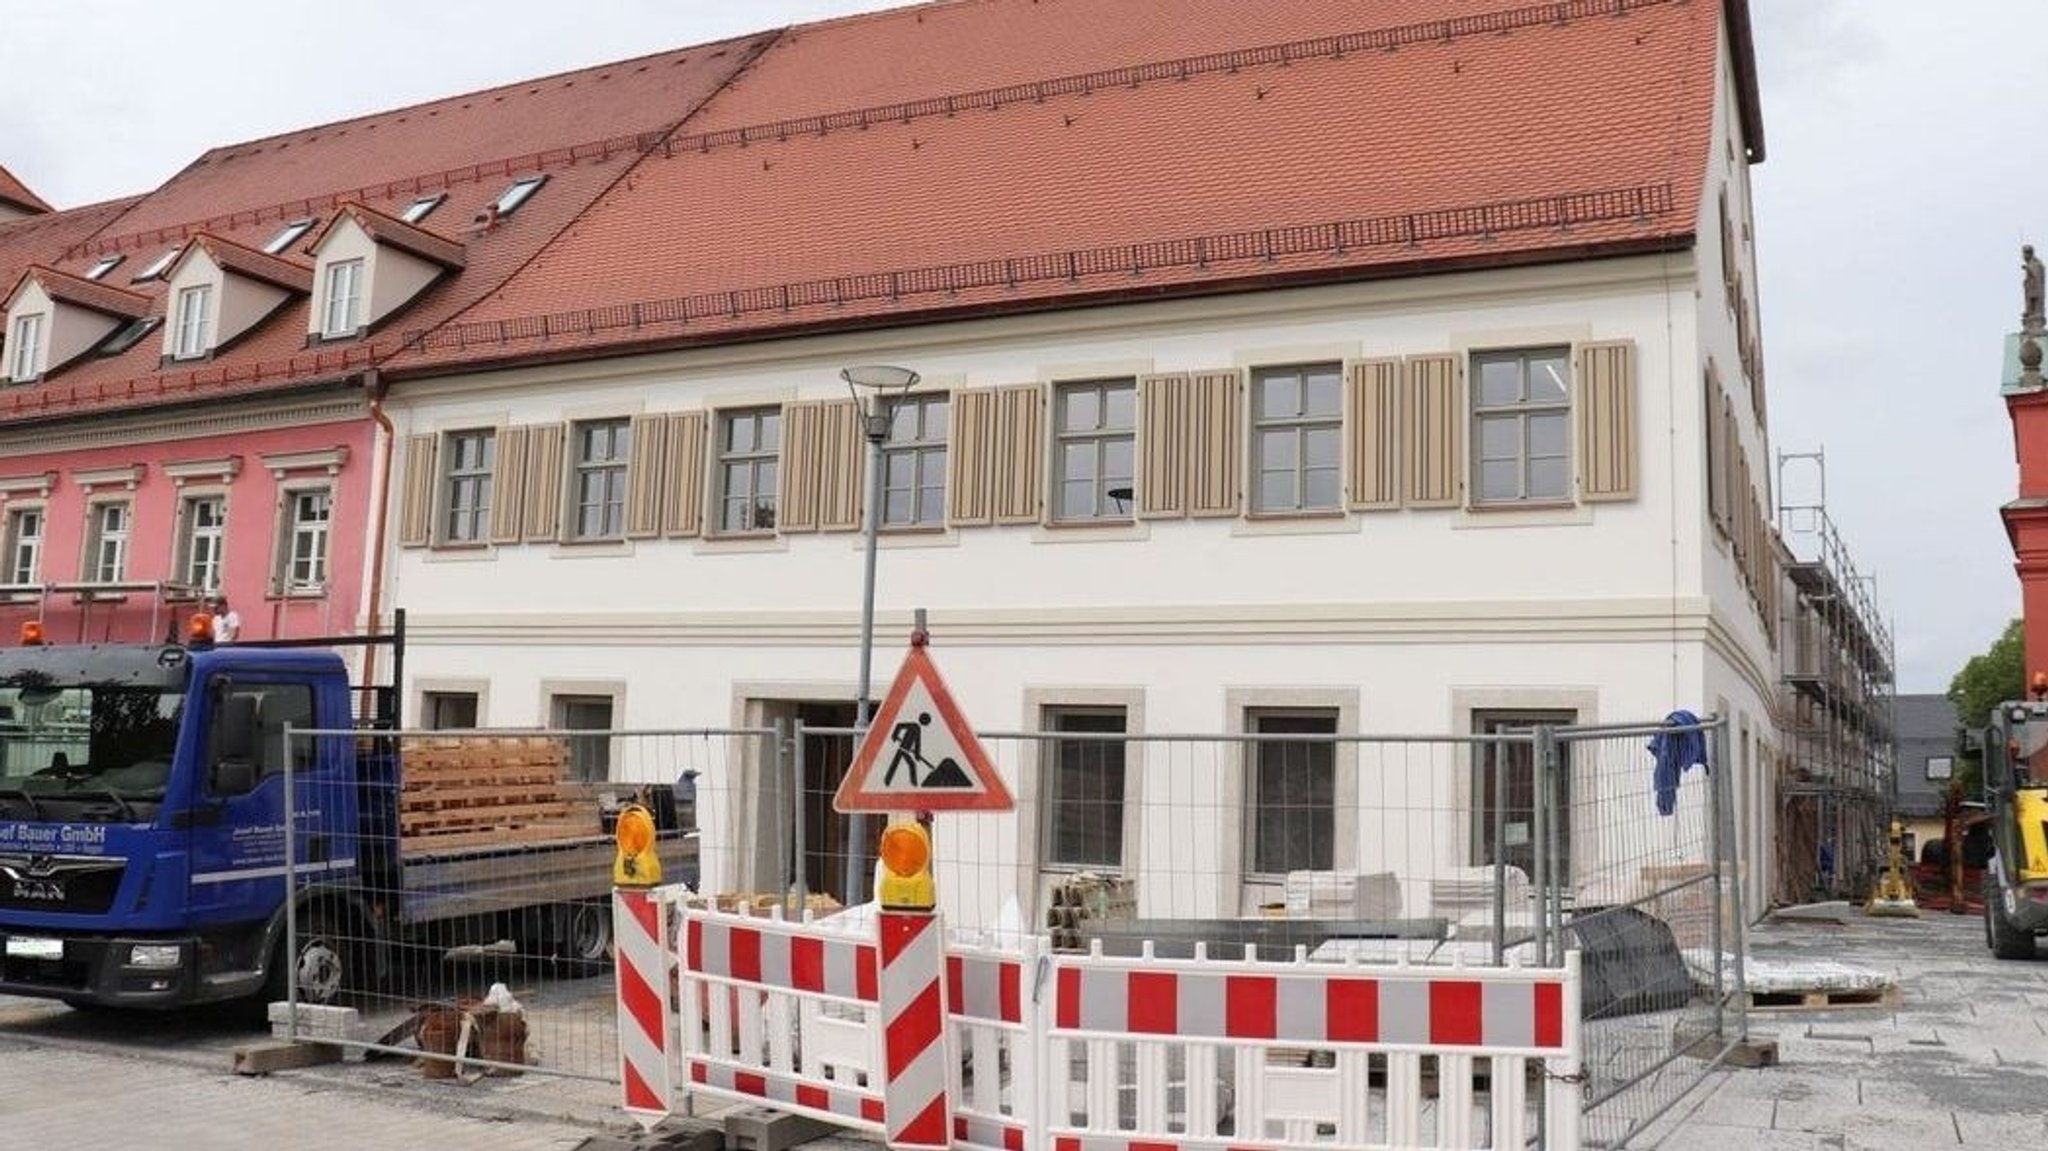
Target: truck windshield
[(91, 753)]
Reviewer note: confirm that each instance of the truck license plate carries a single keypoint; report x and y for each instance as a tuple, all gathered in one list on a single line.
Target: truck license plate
[(31, 947)]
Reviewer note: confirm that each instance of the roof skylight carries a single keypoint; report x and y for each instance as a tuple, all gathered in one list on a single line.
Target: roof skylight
[(289, 235), (156, 267), (418, 209), (517, 194), (102, 266), (127, 337)]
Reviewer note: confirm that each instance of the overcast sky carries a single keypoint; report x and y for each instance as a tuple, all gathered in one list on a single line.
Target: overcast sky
[(1903, 173)]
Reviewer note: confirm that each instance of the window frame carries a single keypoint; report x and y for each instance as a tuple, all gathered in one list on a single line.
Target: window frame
[(351, 316), (475, 479), (559, 701), (1112, 744), (98, 536), (190, 534), (1302, 423), (1522, 411), (103, 265), (291, 529), (752, 462), (1488, 721), (517, 193), (1099, 438), (16, 514), (922, 450), (190, 335), (24, 346), (422, 207), (158, 266), (432, 699), (289, 235), (609, 472), (1256, 764)]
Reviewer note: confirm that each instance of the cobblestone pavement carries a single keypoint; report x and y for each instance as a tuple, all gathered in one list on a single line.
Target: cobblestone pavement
[(1962, 1061)]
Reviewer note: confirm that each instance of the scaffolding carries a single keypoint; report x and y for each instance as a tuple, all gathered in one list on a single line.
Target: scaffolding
[(1835, 656)]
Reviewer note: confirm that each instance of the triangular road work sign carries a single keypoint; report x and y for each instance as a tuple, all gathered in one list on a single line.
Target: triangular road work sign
[(919, 754)]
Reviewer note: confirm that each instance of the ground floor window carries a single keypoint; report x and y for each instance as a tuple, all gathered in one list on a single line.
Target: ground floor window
[(1293, 791), (450, 710), (590, 756), (1504, 792), (1083, 806)]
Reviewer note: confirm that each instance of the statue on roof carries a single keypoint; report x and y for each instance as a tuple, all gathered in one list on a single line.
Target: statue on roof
[(2032, 320)]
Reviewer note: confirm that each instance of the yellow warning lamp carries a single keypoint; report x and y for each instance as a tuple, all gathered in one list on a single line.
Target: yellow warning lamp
[(906, 874), (636, 864), (199, 629), (32, 633)]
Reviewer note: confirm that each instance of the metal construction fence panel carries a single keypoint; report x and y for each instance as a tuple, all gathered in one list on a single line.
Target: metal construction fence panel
[(428, 867)]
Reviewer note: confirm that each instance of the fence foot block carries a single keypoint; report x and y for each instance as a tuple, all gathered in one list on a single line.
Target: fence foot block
[(765, 1129), (278, 1055), (668, 1135)]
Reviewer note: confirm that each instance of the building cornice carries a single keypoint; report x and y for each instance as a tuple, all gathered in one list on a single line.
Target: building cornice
[(141, 428)]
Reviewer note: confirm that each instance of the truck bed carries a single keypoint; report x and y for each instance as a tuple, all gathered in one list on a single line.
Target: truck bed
[(451, 882)]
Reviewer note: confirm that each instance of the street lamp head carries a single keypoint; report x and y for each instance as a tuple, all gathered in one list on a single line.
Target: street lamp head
[(883, 378)]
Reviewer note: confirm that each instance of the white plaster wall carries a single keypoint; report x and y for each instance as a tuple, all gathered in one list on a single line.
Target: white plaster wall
[(68, 331), (244, 303), (1406, 609), (194, 269), (390, 277)]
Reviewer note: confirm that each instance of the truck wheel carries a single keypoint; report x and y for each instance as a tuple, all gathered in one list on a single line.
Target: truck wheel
[(2007, 941), (320, 967), (583, 937)]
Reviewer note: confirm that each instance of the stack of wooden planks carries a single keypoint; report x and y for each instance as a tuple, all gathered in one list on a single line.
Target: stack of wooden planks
[(467, 791)]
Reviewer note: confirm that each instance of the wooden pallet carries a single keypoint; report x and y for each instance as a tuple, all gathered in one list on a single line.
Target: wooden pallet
[(512, 814), (511, 834), (1824, 998)]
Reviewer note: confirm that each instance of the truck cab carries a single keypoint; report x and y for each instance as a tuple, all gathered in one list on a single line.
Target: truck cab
[(143, 814)]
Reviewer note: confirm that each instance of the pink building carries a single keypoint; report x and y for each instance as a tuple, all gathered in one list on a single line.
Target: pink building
[(191, 400)]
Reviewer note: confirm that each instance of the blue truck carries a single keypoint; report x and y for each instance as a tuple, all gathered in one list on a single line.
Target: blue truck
[(143, 832)]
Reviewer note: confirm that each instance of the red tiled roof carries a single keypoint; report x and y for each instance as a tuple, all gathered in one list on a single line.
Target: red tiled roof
[(468, 147), (42, 239), (84, 293), (397, 233), (1031, 154), (244, 261), (13, 191)]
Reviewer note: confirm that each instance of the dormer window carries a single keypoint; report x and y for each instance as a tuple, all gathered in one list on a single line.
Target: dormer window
[(508, 202), (195, 314), (157, 266), (104, 265), (344, 299), (418, 209), (289, 235), (24, 347)]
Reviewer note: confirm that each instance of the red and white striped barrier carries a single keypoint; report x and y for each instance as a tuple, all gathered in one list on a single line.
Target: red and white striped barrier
[(994, 1026), (915, 1082), (640, 929)]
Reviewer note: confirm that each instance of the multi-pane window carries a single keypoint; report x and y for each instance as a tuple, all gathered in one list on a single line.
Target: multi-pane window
[(590, 756), (471, 457), (24, 545), (1505, 794), (602, 449), (1293, 792), (450, 710), (1095, 437), (344, 298), (914, 463), (195, 314), (749, 452), (26, 346), (1084, 788), (1297, 445), (204, 535), (304, 554), (1521, 416), (106, 542)]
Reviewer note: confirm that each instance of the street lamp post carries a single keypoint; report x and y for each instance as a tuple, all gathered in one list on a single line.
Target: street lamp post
[(878, 388)]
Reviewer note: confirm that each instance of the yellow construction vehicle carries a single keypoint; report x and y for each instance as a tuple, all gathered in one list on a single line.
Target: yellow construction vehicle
[(2016, 799), (1894, 895)]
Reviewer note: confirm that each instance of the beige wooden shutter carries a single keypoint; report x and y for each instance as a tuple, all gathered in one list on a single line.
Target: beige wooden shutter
[(1607, 421), (841, 455), (416, 495), (1731, 454), (648, 450), (683, 475), (1216, 443), (1433, 432), (970, 448), (1163, 446), (508, 486), (545, 448), (1372, 453), (1017, 485), (796, 508)]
